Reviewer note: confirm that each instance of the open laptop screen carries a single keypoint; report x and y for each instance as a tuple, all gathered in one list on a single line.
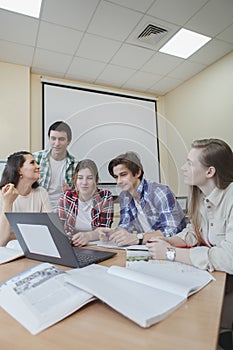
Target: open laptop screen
[(42, 237)]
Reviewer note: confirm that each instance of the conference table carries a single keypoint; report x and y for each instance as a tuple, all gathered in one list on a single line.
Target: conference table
[(194, 325)]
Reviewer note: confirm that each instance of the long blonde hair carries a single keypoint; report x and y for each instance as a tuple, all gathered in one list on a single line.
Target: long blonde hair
[(218, 154)]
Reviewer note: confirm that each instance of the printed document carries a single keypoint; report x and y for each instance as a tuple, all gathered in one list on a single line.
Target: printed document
[(40, 297)]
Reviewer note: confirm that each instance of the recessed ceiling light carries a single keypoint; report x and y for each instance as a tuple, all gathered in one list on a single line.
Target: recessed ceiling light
[(184, 43), (25, 7)]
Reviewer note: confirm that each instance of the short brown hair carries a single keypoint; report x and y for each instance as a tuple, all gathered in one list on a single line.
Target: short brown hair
[(61, 126), (131, 160)]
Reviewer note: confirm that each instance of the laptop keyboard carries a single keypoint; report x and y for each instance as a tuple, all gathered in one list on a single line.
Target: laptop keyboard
[(85, 259)]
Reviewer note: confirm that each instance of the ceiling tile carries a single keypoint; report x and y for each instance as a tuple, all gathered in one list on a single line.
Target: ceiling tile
[(97, 41), (161, 63), (47, 73), (138, 5), (97, 48), (141, 81), (15, 53), (171, 10), (70, 13), (113, 21), (186, 70), (115, 74), (211, 52), (23, 31), (214, 17), (56, 38), (49, 60), (85, 68), (164, 85), (80, 78), (131, 56), (227, 35)]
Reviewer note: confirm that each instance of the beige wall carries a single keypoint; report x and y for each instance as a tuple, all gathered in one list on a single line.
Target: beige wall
[(200, 108), (15, 108), (36, 113)]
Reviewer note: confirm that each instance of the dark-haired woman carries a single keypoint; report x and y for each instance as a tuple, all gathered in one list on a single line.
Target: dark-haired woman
[(20, 191)]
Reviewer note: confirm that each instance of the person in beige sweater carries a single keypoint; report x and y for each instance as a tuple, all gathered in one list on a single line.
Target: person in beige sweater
[(20, 191), (207, 241)]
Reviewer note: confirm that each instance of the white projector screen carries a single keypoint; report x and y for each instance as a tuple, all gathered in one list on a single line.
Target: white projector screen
[(104, 124)]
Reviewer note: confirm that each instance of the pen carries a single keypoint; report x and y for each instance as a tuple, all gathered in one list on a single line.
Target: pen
[(152, 241), (68, 235)]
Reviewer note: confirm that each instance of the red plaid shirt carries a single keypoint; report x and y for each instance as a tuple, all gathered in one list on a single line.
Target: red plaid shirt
[(101, 213)]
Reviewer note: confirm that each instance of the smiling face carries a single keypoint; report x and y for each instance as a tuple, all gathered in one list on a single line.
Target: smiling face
[(125, 179), (85, 184), (58, 143), (30, 171)]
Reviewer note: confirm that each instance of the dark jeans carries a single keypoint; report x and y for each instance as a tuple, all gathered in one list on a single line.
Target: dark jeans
[(226, 326), (227, 311)]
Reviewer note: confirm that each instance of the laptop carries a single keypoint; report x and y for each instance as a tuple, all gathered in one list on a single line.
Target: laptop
[(42, 237)]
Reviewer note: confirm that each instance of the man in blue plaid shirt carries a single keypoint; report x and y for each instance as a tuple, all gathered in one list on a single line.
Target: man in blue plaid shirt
[(147, 208), (56, 164)]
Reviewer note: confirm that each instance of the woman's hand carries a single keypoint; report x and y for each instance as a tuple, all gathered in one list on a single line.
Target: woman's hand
[(157, 246), (9, 194), (80, 239)]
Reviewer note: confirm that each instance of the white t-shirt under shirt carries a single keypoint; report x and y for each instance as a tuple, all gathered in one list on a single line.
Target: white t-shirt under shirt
[(58, 171), (142, 218), (83, 220)]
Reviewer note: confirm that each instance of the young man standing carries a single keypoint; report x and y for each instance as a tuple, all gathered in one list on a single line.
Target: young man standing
[(56, 164), (147, 208)]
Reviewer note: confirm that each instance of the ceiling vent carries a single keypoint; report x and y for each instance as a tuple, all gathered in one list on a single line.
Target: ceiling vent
[(152, 34)]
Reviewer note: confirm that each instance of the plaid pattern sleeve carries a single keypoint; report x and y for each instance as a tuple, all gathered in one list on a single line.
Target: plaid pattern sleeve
[(169, 218), (159, 206), (102, 212), (71, 163), (42, 159), (68, 210)]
